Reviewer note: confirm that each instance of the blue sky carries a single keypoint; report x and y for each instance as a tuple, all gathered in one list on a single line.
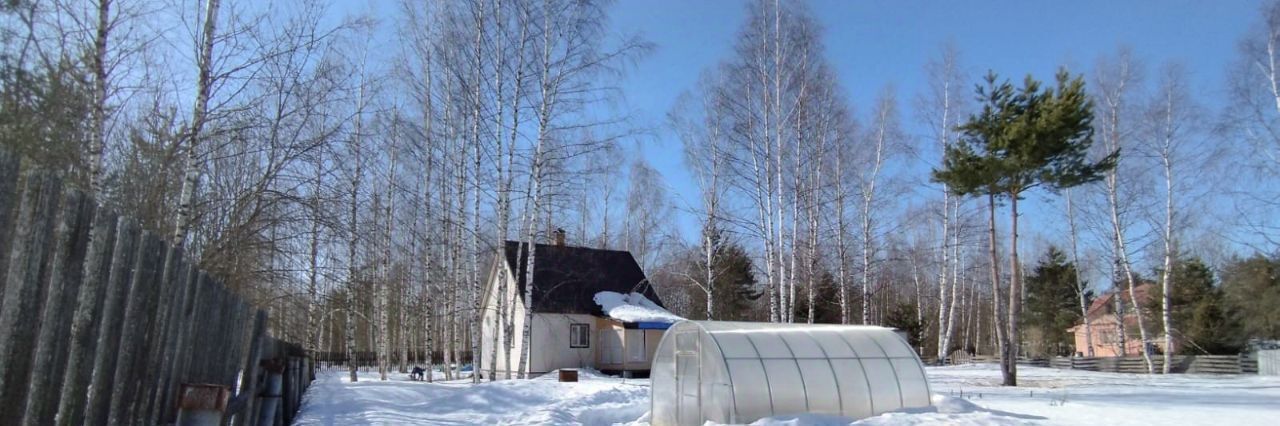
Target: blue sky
[(876, 43)]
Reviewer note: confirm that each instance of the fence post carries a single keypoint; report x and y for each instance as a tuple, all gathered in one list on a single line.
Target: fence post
[(24, 289), (83, 341), (202, 405), (66, 272)]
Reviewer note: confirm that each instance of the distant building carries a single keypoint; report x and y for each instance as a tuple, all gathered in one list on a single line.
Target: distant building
[(592, 308), (1105, 326)]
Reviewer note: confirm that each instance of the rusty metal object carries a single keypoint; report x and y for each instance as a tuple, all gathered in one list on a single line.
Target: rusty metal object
[(202, 404)]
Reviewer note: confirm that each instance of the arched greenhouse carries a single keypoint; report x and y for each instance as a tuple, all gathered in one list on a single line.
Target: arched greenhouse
[(739, 372)]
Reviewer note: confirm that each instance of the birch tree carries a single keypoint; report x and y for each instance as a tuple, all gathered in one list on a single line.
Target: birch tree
[(199, 118), (569, 60), (1081, 291), (1114, 79), (704, 153), (1253, 116), (885, 134), (941, 108), (1170, 135), (356, 148), (771, 82)]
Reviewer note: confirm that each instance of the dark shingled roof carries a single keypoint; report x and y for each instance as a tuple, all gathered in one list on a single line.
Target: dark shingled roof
[(566, 278)]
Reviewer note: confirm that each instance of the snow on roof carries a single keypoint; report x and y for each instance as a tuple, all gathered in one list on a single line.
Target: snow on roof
[(632, 307)]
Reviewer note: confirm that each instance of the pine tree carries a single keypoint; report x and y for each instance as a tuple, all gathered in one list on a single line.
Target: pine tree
[(1021, 139)]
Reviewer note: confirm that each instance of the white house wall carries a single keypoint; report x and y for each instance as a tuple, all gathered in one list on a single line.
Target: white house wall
[(490, 327), (549, 335), (551, 342)]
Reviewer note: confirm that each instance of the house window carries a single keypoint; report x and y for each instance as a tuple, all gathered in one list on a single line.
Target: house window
[(579, 336)]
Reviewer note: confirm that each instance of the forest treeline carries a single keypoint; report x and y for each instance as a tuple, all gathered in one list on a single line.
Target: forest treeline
[(358, 189)]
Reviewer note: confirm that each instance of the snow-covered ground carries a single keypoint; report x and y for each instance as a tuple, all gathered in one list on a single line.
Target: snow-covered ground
[(1047, 396), (595, 400)]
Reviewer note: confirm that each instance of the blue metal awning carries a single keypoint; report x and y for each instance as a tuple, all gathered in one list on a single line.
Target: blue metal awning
[(647, 325)]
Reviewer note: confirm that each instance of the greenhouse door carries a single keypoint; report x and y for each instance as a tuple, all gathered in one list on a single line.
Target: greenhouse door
[(689, 408)]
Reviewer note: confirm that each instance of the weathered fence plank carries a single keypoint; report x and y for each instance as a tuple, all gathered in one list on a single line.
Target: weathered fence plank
[(8, 208), (182, 281), (158, 335), (187, 351), (133, 338), (200, 373), (83, 338), (249, 379), (123, 263), (24, 288), (71, 243)]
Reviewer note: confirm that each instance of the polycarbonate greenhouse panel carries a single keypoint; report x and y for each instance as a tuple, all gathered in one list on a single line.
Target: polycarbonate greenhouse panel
[(820, 386), (855, 391), (734, 372)]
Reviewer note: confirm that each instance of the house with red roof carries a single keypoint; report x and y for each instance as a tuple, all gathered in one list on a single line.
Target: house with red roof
[(1105, 319)]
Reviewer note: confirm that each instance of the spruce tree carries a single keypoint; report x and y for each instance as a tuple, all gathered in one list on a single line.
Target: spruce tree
[(735, 289), (1052, 302)]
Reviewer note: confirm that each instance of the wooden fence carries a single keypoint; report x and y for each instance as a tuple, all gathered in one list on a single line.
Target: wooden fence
[(1189, 364), (370, 358), (960, 357), (103, 322), (1244, 363)]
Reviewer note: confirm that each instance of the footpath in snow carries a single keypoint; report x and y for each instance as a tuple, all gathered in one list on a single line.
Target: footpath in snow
[(1048, 396)]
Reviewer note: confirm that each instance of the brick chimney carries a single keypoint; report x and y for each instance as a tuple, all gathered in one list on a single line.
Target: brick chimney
[(559, 237)]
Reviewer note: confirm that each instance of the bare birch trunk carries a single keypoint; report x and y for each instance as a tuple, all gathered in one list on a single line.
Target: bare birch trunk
[(944, 332), (384, 290), (98, 118), (842, 249), (1122, 257), (708, 251), (477, 316), (351, 336), (199, 115), (352, 229), (1166, 283), (1080, 288), (313, 273), (868, 198)]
